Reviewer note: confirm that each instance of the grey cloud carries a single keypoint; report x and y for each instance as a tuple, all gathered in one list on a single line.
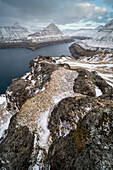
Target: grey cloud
[(58, 11), (109, 2)]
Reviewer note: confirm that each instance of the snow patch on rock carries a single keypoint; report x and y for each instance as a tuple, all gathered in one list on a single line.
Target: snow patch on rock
[(5, 117), (98, 92)]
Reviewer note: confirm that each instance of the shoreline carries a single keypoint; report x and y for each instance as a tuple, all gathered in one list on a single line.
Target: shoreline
[(77, 51)]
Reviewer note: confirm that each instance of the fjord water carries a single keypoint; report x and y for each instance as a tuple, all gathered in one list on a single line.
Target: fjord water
[(15, 62)]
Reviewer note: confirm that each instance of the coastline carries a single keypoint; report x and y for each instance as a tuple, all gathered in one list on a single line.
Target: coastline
[(78, 51)]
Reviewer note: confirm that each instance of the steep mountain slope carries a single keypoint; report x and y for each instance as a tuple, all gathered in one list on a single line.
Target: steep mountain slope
[(102, 39), (50, 33), (13, 33), (61, 118)]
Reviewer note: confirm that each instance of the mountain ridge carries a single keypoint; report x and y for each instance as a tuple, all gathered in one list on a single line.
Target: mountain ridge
[(83, 33), (102, 39)]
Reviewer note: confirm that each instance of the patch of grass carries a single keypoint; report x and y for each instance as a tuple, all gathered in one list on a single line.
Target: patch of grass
[(79, 136)]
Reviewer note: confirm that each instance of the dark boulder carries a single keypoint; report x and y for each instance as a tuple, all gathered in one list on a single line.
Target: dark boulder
[(86, 83)]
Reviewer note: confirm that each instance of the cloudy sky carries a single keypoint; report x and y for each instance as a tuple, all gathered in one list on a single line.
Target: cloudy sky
[(67, 14)]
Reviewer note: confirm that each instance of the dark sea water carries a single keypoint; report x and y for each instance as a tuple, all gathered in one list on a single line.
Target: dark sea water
[(14, 62)]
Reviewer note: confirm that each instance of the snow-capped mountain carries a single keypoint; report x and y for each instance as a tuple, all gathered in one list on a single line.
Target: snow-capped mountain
[(21, 37), (51, 29), (12, 33), (103, 38), (50, 33), (82, 33)]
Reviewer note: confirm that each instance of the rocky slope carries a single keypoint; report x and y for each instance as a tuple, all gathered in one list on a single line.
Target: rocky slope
[(103, 39), (61, 118)]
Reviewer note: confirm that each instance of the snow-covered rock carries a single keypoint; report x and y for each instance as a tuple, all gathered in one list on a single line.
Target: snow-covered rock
[(101, 63), (5, 117)]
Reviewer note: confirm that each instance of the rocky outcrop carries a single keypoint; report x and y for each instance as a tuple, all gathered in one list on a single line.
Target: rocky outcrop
[(58, 121), (86, 82)]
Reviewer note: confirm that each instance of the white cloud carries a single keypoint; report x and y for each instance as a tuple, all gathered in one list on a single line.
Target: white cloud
[(82, 11)]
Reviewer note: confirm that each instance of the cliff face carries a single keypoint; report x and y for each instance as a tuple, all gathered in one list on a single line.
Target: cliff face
[(61, 119)]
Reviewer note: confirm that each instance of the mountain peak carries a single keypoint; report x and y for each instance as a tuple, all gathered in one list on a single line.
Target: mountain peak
[(53, 29), (52, 25)]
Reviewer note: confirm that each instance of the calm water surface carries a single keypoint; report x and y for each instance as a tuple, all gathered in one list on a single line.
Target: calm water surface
[(14, 62)]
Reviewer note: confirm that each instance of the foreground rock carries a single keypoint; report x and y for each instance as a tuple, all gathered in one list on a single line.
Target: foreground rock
[(58, 121)]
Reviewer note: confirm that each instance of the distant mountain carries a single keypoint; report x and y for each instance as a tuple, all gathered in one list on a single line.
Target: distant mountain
[(103, 38), (50, 33), (13, 33), (82, 33), (20, 37), (99, 27), (68, 31), (34, 29), (51, 29)]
